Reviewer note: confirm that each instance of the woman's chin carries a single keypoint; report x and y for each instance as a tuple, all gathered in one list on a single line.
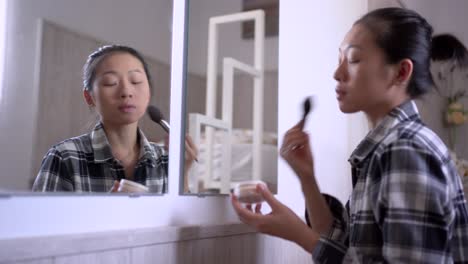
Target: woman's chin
[(126, 120), (347, 109)]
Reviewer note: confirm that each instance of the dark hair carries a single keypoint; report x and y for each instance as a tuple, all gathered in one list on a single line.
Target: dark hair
[(448, 47), (89, 68), (404, 34)]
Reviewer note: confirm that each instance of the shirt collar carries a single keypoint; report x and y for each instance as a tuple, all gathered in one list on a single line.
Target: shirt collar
[(405, 112), (147, 152), (102, 150)]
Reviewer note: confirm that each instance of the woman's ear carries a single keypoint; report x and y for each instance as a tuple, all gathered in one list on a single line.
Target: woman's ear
[(405, 71), (88, 98)]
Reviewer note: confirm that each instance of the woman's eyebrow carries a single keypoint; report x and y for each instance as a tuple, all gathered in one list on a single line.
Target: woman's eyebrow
[(135, 70), (348, 47), (109, 72)]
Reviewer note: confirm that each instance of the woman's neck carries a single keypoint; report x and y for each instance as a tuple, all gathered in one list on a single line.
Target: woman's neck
[(123, 140), (122, 136), (124, 144), (375, 116)]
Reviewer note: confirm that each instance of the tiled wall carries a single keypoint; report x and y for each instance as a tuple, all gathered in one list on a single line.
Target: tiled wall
[(205, 245)]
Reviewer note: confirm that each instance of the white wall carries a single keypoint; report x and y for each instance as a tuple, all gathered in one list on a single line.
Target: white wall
[(309, 38), (148, 30), (309, 42)]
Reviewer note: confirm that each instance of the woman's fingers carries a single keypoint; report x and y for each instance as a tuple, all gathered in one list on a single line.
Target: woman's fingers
[(191, 151), (245, 215), (292, 141), (258, 208), (189, 141), (295, 138), (191, 148), (299, 125), (115, 187), (190, 154), (166, 143), (268, 196)]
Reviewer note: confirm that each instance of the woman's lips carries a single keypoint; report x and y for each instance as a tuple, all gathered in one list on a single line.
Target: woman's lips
[(127, 108), (340, 94)]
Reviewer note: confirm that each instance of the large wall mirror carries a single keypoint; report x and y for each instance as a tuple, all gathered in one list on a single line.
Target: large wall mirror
[(46, 44), (231, 94)]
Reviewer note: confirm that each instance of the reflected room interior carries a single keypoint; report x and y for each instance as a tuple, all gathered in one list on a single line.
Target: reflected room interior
[(231, 94)]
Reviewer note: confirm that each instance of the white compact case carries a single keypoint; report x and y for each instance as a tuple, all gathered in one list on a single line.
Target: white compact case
[(132, 187), (246, 192)]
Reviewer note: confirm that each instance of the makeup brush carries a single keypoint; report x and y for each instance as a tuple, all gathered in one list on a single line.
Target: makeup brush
[(307, 106), (157, 117)]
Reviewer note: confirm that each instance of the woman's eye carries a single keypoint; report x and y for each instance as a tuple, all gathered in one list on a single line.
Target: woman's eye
[(109, 81), (352, 57), (137, 82)]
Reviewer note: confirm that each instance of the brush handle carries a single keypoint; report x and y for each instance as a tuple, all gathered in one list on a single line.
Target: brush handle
[(164, 124)]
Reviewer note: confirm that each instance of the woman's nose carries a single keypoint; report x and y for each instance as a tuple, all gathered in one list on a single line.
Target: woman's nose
[(126, 90), (338, 75)]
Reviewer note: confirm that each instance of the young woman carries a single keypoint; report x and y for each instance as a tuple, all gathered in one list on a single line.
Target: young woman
[(117, 84), (407, 203)]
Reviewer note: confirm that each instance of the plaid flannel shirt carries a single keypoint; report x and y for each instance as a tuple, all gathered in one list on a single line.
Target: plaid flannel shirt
[(86, 164), (407, 203)]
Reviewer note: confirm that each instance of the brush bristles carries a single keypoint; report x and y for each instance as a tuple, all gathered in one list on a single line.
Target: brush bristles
[(154, 113)]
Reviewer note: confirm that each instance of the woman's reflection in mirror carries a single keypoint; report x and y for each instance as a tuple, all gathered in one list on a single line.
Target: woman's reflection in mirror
[(117, 84)]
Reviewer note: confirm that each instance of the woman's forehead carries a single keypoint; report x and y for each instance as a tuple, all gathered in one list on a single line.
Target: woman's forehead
[(119, 61), (357, 37)]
